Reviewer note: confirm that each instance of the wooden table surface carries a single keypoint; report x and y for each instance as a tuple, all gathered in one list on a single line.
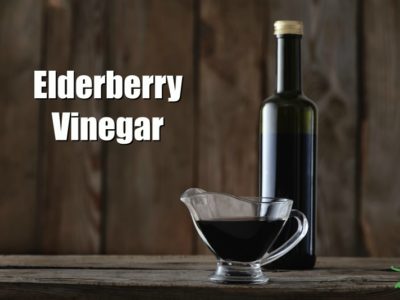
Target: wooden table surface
[(186, 277)]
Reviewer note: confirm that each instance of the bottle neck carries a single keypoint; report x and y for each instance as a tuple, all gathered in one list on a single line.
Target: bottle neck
[(288, 71)]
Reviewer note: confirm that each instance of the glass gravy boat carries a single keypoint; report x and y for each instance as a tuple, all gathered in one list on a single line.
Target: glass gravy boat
[(241, 230)]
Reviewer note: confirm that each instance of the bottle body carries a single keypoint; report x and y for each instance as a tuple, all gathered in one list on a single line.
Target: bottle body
[(288, 143)]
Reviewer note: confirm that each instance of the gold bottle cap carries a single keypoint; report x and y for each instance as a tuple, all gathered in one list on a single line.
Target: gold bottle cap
[(288, 27)]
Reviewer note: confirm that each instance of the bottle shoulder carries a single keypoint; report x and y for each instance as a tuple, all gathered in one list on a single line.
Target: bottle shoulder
[(299, 101)]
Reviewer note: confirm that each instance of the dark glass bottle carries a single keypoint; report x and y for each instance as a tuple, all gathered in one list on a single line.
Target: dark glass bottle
[(288, 144)]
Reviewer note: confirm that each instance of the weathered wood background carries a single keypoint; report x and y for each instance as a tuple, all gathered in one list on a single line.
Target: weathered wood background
[(109, 198)]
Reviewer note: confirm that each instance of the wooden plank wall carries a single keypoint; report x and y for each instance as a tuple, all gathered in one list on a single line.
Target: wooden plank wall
[(71, 173), (380, 208), (145, 180), (108, 198), (20, 48)]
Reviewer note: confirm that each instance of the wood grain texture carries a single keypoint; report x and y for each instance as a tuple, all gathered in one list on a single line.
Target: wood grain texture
[(145, 180), (20, 47), (169, 262), (161, 262), (182, 277), (230, 96), (381, 128), (329, 57), (71, 172)]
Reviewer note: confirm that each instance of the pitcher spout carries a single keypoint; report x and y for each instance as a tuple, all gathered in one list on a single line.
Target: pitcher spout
[(189, 193), (189, 199)]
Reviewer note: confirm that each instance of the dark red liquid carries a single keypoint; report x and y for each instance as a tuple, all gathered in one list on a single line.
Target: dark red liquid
[(289, 172), (242, 240)]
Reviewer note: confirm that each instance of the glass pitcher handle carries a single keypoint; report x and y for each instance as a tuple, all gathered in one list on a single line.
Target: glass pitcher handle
[(302, 228)]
